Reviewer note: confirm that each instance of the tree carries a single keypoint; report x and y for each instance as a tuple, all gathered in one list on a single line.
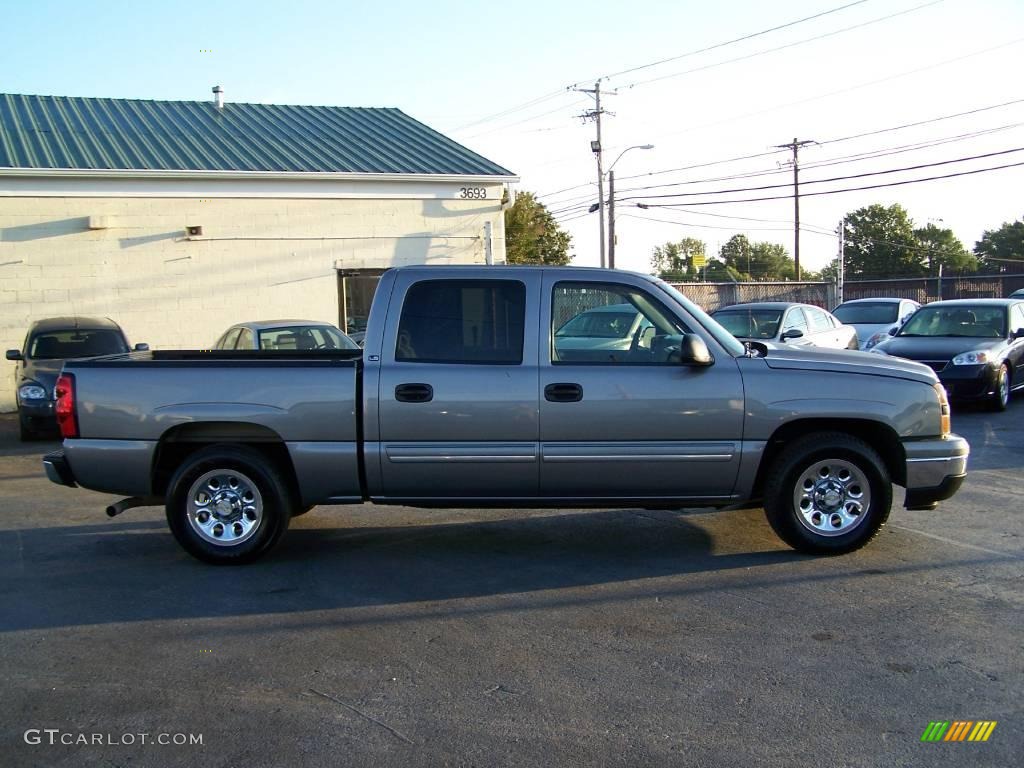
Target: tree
[(998, 249), (757, 261), (880, 242), (674, 261), (532, 236), (941, 247)]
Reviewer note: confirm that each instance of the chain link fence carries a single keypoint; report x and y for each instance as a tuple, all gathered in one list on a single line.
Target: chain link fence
[(714, 296)]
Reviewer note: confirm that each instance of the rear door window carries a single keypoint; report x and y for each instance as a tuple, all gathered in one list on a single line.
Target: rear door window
[(462, 321)]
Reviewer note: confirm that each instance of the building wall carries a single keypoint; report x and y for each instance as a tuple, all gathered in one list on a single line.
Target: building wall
[(258, 258)]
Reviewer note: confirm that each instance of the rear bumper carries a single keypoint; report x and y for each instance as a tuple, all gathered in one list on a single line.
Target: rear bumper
[(935, 470), (58, 469)]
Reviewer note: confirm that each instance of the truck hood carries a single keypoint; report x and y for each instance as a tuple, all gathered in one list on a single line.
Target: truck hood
[(847, 361)]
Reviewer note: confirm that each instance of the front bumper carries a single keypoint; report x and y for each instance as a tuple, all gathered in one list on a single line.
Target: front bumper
[(37, 414), (969, 382), (936, 469), (58, 469)]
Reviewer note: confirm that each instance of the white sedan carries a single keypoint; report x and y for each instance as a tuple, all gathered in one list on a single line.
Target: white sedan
[(786, 322)]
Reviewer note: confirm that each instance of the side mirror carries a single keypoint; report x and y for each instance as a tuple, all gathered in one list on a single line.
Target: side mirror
[(142, 347), (1018, 334), (693, 351), (14, 354), (793, 333)]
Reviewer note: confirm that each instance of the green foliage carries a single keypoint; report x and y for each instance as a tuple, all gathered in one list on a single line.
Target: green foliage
[(941, 246), (674, 261), (757, 261), (998, 249), (532, 236), (880, 243)]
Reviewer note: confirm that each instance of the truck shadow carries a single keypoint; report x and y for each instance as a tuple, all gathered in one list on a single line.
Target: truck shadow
[(134, 571)]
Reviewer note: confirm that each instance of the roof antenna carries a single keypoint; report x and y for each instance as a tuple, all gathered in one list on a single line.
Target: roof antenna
[(218, 94)]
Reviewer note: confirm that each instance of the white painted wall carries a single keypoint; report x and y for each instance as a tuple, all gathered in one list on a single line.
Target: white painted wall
[(258, 258)]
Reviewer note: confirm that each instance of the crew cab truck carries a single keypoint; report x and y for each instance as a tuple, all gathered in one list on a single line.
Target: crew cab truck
[(465, 396)]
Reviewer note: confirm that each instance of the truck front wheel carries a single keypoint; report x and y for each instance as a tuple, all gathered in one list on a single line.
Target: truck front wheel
[(228, 505), (828, 494)]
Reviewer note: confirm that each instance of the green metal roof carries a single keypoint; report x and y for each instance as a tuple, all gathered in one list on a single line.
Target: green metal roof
[(64, 132)]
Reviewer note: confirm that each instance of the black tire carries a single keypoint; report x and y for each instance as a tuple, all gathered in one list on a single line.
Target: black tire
[(852, 456), (276, 504), (1000, 399)]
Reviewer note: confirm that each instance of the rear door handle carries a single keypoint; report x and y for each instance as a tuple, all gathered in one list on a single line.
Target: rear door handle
[(563, 393), (414, 393)]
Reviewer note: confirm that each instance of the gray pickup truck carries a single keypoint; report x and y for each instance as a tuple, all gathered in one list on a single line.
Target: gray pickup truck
[(465, 395)]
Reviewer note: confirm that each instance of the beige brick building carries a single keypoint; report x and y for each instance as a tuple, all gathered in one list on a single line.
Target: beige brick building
[(100, 213)]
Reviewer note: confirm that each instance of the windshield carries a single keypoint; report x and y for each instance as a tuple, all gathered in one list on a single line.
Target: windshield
[(600, 324), (750, 323), (709, 323), (868, 312), (975, 321), (86, 342), (305, 337)]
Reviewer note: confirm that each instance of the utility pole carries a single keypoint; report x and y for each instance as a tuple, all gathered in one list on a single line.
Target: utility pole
[(598, 151), (795, 147), (611, 219), (841, 262)]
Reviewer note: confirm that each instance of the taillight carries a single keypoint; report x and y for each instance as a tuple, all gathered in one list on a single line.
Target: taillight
[(67, 417), (944, 424)]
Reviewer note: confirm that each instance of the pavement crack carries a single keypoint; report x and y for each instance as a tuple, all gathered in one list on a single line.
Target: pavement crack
[(385, 726)]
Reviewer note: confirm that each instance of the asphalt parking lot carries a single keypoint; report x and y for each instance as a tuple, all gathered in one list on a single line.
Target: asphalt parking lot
[(392, 636)]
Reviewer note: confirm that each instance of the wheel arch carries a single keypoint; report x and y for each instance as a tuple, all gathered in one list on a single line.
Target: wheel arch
[(181, 441), (878, 435)]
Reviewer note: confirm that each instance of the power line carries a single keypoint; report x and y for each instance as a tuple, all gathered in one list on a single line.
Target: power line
[(750, 36), (725, 161), (510, 110), (835, 178), (857, 189), (782, 47)]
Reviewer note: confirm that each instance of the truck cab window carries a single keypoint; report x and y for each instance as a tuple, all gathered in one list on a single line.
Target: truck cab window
[(613, 324), (462, 321)]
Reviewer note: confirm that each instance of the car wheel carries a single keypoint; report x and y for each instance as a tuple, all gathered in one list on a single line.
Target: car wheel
[(827, 494), (228, 505), (1001, 397)]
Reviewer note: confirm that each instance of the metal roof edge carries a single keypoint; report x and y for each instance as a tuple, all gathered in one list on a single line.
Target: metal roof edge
[(121, 173)]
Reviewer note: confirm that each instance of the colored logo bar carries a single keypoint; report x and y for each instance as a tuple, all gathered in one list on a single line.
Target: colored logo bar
[(958, 730)]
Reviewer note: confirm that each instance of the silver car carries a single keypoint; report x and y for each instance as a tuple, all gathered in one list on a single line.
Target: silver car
[(786, 322), (616, 327), (284, 335), (875, 319)]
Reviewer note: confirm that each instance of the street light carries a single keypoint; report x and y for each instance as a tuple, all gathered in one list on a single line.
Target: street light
[(611, 204)]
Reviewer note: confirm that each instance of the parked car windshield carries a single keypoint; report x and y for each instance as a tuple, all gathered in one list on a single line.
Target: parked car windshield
[(750, 323), (712, 326), (305, 337), (868, 312), (976, 321), (76, 342), (600, 324)]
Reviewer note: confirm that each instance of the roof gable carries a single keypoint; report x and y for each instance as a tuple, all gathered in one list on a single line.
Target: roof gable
[(63, 132)]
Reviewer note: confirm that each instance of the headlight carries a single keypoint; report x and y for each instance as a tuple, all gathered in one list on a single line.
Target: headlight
[(880, 336), (979, 357), (32, 392)]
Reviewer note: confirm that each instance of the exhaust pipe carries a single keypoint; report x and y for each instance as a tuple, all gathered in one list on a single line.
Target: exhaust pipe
[(118, 507)]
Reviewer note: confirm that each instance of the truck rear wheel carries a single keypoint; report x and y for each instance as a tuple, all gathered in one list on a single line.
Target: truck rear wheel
[(228, 505), (828, 494)]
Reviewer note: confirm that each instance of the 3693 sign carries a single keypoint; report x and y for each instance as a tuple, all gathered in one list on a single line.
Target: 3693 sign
[(473, 193)]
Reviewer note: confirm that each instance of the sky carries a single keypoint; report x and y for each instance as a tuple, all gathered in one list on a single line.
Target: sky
[(501, 77)]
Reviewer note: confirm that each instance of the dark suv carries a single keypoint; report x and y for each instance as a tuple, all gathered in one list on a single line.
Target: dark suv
[(48, 344)]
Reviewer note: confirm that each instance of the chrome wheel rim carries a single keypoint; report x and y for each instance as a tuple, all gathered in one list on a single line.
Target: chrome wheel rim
[(225, 508), (832, 497), (1004, 387)]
